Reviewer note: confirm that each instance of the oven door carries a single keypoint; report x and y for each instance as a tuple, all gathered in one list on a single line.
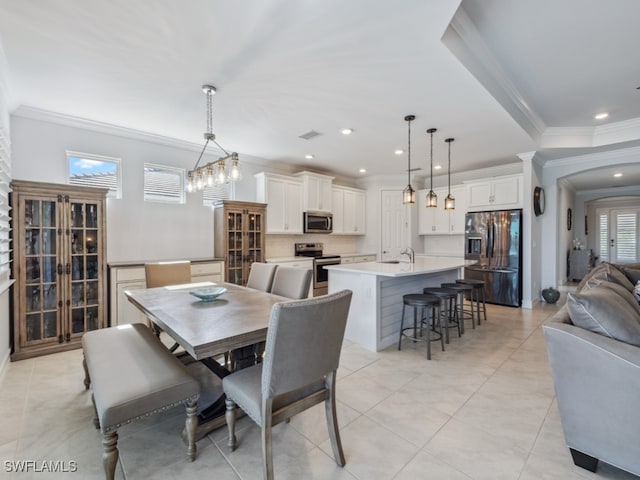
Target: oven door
[(321, 276)]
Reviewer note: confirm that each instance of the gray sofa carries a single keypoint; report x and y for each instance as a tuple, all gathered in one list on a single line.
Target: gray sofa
[(596, 375)]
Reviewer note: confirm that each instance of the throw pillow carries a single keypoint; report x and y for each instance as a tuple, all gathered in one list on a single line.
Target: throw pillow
[(624, 294), (612, 274), (636, 291), (603, 311)]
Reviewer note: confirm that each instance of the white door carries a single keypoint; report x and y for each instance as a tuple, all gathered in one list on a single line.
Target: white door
[(618, 235), (394, 226)]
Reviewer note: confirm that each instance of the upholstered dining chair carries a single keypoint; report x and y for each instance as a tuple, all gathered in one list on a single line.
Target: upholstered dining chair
[(163, 274), (304, 340), (261, 276), (292, 282)]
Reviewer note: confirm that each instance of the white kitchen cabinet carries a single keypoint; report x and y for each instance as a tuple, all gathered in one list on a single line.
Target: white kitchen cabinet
[(316, 191), (131, 276), (358, 259), (495, 194), (438, 221), (283, 196), (349, 211)]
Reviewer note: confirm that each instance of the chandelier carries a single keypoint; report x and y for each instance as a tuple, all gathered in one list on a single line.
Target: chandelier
[(216, 172)]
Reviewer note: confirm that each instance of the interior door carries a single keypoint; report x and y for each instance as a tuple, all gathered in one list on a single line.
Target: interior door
[(394, 224)]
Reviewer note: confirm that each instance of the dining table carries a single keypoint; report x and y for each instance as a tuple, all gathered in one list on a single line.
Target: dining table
[(236, 320)]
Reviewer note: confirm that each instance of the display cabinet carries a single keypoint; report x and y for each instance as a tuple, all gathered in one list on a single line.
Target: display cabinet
[(239, 237), (59, 266)]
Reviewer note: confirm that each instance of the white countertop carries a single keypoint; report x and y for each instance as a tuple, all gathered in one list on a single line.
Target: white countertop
[(422, 265)]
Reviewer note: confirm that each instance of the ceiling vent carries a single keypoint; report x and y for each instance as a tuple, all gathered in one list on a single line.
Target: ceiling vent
[(310, 134)]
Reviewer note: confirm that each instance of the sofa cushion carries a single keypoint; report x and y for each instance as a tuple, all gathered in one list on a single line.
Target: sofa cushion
[(611, 274), (604, 311), (636, 291), (633, 274), (624, 294)]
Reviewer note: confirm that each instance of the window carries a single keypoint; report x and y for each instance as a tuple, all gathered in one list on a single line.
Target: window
[(5, 226), (163, 184), (211, 195), (626, 235), (95, 171), (603, 236)]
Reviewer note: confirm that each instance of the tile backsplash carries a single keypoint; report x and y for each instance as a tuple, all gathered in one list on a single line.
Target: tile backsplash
[(278, 246)]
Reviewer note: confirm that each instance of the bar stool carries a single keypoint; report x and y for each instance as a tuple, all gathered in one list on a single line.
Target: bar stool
[(420, 301), (463, 313), (448, 307), (478, 291)]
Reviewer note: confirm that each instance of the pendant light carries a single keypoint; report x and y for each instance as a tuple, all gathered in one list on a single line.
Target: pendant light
[(409, 194), (449, 202), (432, 198)]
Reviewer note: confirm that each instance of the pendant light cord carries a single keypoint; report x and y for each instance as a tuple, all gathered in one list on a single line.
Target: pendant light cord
[(431, 156), (409, 155), (449, 170)]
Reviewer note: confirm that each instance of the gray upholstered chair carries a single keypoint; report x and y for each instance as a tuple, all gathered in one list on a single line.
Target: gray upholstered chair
[(296, 373), (292, 282), (261, 276), (163, 274)]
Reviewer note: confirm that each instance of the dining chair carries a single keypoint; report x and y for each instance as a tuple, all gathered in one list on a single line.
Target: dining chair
[(261, 276), (304, 340), (163, 274), (291, 282)]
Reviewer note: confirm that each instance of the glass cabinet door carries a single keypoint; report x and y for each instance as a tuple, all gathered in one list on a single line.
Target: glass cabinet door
[(234, 246), (84, 268), (40, 263)]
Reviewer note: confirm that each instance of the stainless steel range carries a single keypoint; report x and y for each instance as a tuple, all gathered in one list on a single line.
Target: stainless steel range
[(320, 275)]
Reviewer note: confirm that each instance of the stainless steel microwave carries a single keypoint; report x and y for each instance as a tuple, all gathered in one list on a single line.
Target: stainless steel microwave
[(318, 222)]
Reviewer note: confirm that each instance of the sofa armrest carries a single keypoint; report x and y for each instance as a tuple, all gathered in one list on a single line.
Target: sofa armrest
[(597, 383)]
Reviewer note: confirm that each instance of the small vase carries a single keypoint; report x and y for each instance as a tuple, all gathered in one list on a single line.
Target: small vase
[(550, 295)]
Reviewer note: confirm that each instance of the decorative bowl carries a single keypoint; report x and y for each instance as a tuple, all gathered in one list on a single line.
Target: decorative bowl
[(208, 294)]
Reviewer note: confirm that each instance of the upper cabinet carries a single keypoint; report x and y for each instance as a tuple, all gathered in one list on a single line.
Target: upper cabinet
[(438, 221), (316, 191), (495, 194), (349, 210), (283, 196)]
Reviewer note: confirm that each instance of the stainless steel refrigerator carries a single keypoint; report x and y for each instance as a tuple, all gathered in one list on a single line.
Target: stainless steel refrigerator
[(494, 240)]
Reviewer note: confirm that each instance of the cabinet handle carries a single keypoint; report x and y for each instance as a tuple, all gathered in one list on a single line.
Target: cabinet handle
[(59, 269), (60, 338), (68, 337), (68, 268)]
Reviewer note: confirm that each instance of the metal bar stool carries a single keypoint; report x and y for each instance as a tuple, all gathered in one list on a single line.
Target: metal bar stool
[(448, 307), (463, 313), (478, 291), (421, 301)]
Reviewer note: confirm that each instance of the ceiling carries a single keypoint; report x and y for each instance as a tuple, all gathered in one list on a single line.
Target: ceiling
[(503, 77)]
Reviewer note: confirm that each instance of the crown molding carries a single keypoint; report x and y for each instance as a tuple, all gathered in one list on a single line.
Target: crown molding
[(465, 42), (581, 137), (33, 113), (626, 155)]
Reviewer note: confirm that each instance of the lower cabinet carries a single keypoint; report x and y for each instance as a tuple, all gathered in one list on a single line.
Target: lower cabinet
[(131, 276), (358, 259)]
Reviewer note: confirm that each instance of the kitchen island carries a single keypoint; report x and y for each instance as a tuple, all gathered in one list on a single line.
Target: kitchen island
[(378, 287)]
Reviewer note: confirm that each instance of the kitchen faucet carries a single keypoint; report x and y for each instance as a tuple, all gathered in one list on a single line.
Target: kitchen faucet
[(408, 251)]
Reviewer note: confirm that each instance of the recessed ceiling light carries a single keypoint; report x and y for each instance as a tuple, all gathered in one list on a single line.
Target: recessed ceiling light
[(617, 175), (399, 151), (437, 167), (308, 156), (347, 131), (363, 170), (601, 116)]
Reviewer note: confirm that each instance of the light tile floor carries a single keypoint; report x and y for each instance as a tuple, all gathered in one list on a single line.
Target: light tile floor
[(483, 409)]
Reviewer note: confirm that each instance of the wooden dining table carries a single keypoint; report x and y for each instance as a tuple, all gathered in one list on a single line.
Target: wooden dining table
[(238, 318)]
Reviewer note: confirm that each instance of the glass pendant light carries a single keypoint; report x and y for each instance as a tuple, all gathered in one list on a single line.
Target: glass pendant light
[(409, 194), (449, 202), (432, 198)]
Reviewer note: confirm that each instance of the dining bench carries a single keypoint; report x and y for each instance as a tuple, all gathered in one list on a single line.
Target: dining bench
[(133, 375)]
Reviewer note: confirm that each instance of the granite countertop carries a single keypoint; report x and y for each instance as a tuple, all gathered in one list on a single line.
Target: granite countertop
[(422, 265)]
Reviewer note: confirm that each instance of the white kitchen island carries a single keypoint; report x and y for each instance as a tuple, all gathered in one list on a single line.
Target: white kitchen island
[(378, 287)]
